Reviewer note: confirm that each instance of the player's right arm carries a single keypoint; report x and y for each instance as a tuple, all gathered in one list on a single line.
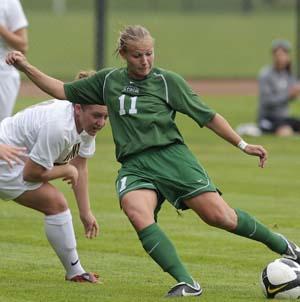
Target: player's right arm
[(34, 172), (51, 141), (50, 85)]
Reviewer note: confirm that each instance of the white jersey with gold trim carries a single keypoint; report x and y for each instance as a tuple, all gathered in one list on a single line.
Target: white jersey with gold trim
[(49, 133)]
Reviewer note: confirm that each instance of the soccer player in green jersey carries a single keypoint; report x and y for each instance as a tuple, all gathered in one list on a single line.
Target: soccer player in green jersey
[(142, 101)]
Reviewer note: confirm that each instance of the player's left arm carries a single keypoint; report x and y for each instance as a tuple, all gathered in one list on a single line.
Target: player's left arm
[(221, 127), (183, 99), (82, 197), (35, 172)]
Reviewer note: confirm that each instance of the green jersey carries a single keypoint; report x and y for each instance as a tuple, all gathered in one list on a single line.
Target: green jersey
[(141, 112)]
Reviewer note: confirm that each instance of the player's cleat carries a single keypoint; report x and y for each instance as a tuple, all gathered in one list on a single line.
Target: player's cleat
[(292, 252), (85, 277), (184, 289)]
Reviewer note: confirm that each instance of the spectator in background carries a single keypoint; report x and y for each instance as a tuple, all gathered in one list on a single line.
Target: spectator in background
[(278, 87), (13, 35)]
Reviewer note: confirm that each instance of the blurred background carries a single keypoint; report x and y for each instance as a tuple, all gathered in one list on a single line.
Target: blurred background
[(209, 42), (196, 38)]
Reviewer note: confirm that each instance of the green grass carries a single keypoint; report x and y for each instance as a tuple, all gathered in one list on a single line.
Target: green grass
[(195, 45), (228, 267)]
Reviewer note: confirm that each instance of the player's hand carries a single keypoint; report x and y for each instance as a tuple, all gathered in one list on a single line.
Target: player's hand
[(259, 151), (294, 91), (70, 175), (12, 154), (90, 225), (17, 59)]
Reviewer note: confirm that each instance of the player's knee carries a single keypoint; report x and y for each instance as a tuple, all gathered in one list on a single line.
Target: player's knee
[(139, 219), (214, 218), (133, 215), (57, 203), (221, 219), (285, 131)]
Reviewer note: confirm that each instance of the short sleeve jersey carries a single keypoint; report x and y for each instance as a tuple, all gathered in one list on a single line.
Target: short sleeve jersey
[(13, 18), (141, 112), (49, 133)]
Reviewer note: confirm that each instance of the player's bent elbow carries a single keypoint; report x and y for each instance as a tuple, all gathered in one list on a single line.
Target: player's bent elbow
[(32, 177), (28, 177), (23, 47)]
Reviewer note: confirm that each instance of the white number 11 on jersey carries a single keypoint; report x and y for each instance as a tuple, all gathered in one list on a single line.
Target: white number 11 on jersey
[(132, 109)]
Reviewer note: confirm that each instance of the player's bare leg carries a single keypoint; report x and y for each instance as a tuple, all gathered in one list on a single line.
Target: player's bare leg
[(212, 209), (58, 228), (139, 207)]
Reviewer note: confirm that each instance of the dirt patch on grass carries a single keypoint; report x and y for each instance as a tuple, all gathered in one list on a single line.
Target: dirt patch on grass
[(225, 87), (202, 87)]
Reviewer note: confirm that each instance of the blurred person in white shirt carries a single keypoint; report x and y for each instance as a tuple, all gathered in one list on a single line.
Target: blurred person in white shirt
[(13, 35)]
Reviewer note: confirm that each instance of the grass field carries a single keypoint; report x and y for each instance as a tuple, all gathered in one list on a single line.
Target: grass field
[(195, 45), (227, 267)]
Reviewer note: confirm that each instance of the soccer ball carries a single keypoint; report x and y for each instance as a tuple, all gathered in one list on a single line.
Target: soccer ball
[(281, 279)]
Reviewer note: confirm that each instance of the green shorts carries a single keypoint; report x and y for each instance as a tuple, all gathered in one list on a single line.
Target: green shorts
[(172, 171)]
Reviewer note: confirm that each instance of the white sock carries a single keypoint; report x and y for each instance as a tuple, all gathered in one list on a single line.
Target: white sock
[(60, 233)]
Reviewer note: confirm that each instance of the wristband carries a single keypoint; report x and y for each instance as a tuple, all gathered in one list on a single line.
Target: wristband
[(242, 145)]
